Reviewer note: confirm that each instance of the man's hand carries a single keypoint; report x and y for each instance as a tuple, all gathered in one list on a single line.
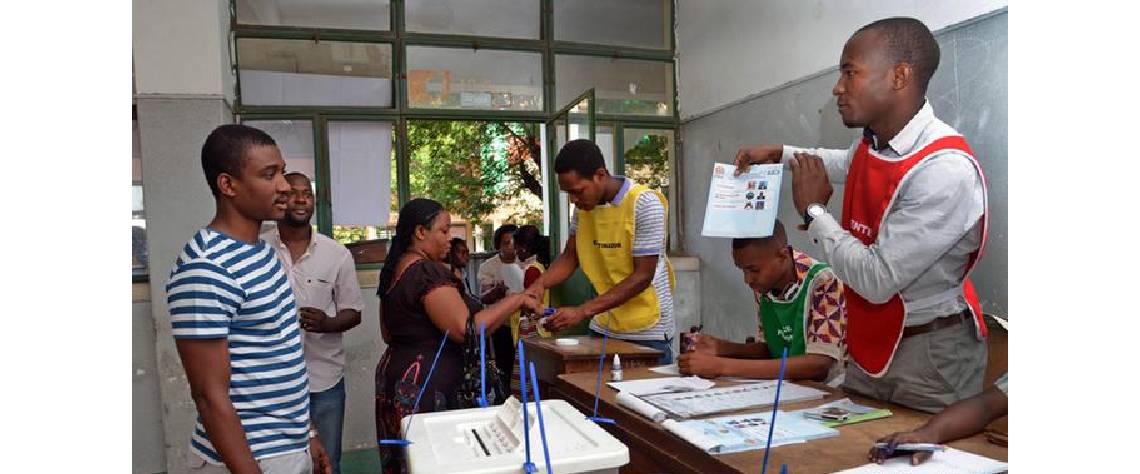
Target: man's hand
[(531, 304), (701, 364), (321, 462), (757, 155), (877, 455), (809, 182), (565, 317), (705, 344), (315, 320)]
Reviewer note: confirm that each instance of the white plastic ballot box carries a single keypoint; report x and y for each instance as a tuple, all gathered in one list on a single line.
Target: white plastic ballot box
[(490, 441)]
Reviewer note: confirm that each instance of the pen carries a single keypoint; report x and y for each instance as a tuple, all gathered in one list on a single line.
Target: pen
[(911, 447)]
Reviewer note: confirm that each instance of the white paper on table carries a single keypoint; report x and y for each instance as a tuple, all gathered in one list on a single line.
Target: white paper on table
[(950, 461), (659, 385), (745, 205), (512, 276)]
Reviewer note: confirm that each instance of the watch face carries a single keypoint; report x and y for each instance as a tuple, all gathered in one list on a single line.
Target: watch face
[(816, 210)]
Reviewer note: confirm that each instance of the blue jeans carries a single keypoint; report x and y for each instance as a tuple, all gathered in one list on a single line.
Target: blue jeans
[(664, 345), (327, 409)]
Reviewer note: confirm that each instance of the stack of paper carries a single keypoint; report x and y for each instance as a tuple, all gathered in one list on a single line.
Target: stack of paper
[(950, 461), (736, 433), (736, 397), (853, 413)]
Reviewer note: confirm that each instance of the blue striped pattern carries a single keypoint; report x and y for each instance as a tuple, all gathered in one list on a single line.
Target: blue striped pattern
[(225, 288)]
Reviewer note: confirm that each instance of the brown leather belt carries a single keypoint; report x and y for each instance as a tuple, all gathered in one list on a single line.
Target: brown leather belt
[(940, 323)]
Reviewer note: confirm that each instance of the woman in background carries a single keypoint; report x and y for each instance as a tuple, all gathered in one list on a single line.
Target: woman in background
[(532, 247)]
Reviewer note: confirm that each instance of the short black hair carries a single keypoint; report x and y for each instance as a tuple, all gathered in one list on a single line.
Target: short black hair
[(909, 41), (504, 229), (225, 148), (581, 156), (778, 239), (290, 176)]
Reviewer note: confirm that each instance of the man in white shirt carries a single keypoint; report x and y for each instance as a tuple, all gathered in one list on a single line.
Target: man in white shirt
[(913, 226), (323, 276)]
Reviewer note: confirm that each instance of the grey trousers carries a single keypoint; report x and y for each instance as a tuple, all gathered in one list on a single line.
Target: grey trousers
[(929, 371), (292, 463)]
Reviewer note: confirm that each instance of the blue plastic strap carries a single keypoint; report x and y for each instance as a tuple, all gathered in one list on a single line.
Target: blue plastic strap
[(482, 365), (601, 366), (528, 466), (541, 424), (416, 406), (775, 407)]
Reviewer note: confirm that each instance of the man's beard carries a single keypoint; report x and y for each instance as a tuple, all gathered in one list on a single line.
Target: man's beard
[(294, 222)]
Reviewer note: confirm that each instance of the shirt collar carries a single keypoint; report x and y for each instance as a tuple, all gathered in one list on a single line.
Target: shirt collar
[(904, 142), (276, 236), (625, 185)]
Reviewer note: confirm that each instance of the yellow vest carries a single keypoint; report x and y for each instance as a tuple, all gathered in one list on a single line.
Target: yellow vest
[(517, 316), (604, 241)]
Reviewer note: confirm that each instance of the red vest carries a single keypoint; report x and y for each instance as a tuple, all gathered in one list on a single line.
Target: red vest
[(875, 330)]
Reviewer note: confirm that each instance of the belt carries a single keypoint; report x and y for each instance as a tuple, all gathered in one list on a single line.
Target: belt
[(940, 323)]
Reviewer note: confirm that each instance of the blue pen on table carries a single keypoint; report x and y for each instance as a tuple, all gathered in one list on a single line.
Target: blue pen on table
[(775, 408)]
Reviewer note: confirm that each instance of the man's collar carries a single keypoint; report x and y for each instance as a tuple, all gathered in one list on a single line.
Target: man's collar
[(622, 191), (904, 142)]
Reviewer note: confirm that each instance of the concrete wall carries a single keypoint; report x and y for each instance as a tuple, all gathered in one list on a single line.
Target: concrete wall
[(765, 44), (148, 454), (969, 92)]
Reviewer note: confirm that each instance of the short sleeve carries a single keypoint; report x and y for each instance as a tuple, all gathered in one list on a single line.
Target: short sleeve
[(649, 225), (428, 276), (202, 298), (827, 319), (1002, 383), (759, 321), (347, 290)]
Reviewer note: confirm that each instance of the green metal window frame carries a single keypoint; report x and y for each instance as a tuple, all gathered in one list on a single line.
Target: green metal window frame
[(399, 39)]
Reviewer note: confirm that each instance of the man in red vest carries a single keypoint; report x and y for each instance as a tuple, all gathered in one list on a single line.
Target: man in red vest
[(913, 224)]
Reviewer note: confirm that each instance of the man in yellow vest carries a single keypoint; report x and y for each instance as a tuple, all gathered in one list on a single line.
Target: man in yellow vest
[(617, 237)]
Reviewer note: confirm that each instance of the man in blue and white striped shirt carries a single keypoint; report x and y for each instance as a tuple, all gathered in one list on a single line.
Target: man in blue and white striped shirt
[(234, 320)]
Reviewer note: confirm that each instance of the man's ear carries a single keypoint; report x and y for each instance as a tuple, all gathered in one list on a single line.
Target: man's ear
[(901, 76), (226, 184), (600, 174)]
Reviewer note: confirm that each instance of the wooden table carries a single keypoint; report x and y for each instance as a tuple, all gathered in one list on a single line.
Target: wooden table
[(551, 360), (652, 449)]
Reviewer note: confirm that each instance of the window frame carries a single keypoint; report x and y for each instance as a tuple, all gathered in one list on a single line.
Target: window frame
[(400, 113)]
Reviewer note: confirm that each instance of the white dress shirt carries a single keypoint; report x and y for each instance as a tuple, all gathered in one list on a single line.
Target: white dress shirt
[(928, 233), (323, 278)]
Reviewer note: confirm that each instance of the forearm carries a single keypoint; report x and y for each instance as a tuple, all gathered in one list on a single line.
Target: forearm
[(966, 417), (738, 350), (346, 319), (835, 161), (862, 268), (618, 294), (802, 367), (494, 316), (223, 428)]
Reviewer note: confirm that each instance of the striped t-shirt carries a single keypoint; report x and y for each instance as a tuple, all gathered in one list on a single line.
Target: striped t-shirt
[(648, 239), (226, 288)]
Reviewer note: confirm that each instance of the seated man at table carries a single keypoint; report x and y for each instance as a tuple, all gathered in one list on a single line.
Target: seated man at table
[(962, 419), (801, 307)]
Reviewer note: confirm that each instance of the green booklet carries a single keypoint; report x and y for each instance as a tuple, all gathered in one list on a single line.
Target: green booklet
[(843, 412)]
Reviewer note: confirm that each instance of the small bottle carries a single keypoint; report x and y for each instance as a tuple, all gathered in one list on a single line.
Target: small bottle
[(615, 372)]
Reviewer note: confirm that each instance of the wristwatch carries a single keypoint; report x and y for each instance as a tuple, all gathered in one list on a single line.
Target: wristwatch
[(813, 210)]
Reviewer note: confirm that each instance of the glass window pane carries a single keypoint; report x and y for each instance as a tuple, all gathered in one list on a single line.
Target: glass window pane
[(442, 78), (295, 140), (346, 14), (138, 211), (635, 23), (648, 157), (621, 86), (303, 72), (482, 172), (501, 18), (361, 166)]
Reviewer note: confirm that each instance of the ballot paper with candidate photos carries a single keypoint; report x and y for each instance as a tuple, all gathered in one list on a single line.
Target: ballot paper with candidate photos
[(745, 205)]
